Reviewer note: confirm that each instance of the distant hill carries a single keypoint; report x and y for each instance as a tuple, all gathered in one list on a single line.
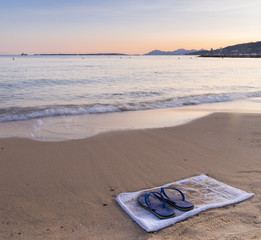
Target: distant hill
[(180, 51), (200, 52), (252, 49)]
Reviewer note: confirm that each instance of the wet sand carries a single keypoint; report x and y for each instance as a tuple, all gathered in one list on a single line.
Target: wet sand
[(67, 190), (63, 128)]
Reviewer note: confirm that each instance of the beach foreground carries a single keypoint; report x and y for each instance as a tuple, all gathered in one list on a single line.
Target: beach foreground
[(67, 190)]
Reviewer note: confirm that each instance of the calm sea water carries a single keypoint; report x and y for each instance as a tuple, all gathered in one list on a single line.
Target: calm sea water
[(46, 86)]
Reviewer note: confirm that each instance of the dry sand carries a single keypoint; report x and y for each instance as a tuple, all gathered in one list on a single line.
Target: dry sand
[(67, 190)]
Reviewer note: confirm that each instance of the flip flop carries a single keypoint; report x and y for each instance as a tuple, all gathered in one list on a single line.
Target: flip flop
[(155, 203), (176, 200)]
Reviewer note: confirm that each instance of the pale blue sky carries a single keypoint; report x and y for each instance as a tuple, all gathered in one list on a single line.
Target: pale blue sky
[(137, 26)]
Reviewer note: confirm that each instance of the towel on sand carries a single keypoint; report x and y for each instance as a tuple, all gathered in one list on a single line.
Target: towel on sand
[(204, 192)]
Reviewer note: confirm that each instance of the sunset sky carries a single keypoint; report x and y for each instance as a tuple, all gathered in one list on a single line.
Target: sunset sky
[(125, 26)]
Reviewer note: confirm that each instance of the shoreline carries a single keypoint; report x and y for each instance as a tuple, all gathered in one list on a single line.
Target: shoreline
[(67, 190), (64, 128)]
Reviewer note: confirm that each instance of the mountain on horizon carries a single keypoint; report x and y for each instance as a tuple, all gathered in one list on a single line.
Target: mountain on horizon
[(180, 51), (251, 49)]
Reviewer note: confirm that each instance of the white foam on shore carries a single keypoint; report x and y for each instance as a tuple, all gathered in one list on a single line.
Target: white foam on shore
[(27, 113), (64, 128)]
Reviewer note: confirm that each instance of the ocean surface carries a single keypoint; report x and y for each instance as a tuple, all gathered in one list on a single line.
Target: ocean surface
[(33, 87)]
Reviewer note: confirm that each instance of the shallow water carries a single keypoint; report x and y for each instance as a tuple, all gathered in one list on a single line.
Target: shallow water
[(33, 87), (55, 98)]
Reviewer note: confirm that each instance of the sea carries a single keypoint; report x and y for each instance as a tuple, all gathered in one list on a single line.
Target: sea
[(43, 88)]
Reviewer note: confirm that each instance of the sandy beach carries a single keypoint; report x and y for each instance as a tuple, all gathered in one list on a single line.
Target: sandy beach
[(67, 190)]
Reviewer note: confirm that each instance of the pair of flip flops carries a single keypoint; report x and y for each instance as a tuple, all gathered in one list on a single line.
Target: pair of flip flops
[(155, 202)]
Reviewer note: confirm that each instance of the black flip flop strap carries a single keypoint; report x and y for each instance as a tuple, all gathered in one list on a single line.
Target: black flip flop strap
[(164, 193), (155, 193)]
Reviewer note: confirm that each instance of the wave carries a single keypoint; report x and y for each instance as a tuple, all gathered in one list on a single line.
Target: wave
[(25, 113)]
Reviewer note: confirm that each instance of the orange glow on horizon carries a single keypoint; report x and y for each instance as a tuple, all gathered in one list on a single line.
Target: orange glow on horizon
[(131, 48)]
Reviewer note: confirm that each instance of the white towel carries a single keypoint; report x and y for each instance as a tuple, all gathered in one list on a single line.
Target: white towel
[(204, 192)]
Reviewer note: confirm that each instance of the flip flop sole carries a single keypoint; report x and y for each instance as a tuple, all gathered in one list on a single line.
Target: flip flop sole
[(158, 208), (177, 207), (181, 204), (159, 216)]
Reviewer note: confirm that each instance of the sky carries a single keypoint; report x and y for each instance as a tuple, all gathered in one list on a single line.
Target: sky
[(125, 26)]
